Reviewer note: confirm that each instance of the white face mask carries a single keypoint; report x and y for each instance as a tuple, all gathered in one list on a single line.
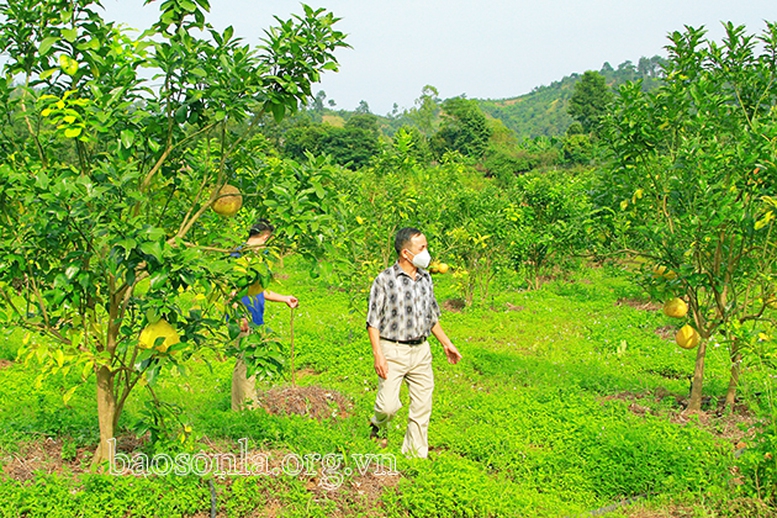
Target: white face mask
[(421, 259)]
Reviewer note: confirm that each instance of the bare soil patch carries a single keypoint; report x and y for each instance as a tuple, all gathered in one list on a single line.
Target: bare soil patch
[(313, 401), (674, 511), (641, 304), (359, 488), (665, 332), (43, 455), (306, 372), (715, 419), (454, 305), (670, 373), (745, 507)]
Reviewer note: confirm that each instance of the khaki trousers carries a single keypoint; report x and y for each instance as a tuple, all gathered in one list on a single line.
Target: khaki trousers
[(243, 388), (413, 364)]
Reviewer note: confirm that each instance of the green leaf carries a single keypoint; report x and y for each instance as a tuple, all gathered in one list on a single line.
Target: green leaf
[(153, 249), (277, 110), (69, 394), (152, 373), (59, 357), (88, 368), (180, 115), (46, 44), (145, 357), (69, 66), (128, 244), (48, 73), (158, 279), (92, 44), (233, 330), (127, 138), (188, 5), (69, 34)]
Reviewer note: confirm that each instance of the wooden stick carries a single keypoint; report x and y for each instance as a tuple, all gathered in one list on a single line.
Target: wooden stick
[(291, 329)]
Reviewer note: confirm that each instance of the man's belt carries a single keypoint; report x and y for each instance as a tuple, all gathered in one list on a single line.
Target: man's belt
[(415, 341)]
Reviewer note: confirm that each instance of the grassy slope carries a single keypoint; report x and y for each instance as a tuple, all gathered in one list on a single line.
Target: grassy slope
[(521, 427), (541, 112)]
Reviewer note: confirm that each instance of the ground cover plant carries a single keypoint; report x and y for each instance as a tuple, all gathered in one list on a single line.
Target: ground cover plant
[(567, 401)]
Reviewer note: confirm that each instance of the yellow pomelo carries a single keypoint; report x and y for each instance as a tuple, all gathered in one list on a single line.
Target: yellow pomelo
[(664, 272), (675, 308), (434, 267), (659, 271), (153, 331), (443, 268), (687, 337), (229, 201)]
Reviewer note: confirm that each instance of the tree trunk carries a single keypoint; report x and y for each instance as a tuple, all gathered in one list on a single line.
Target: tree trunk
[(106, 414), (694, 404), (733, 382)]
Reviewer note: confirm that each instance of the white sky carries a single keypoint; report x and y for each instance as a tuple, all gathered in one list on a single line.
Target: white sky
[(486, 49)]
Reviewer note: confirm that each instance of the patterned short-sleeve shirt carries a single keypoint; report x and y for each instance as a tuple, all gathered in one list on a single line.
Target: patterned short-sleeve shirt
[(400, 307)]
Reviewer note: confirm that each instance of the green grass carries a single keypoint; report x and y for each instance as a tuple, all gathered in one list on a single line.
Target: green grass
[(522, 426)]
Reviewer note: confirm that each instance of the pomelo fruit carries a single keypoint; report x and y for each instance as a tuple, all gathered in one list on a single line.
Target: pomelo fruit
[(153, 331), (659, 271), (675, 308), (443, 268), (664, 272), (687, 337), (229, 201)]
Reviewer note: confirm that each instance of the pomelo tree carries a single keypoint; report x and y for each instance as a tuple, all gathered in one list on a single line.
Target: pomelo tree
[(108, 176), (693, 184)]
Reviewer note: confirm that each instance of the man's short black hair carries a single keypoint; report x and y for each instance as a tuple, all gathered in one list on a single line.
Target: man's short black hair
[(404, 235), (260, 227)]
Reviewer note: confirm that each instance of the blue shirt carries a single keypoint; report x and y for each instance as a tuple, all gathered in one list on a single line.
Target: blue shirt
[(255, 304)]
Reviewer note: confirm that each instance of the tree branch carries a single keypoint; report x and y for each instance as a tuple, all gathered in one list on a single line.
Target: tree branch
[(169, 149)]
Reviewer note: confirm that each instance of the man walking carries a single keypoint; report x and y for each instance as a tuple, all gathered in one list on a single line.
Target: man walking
[(402, 313)]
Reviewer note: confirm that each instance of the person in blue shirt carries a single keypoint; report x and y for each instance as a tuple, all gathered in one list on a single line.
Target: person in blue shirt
[(243, 387)]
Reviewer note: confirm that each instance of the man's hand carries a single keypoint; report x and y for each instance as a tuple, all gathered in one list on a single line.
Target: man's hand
[(244, 325), (452, 353), (292, 301), (381, 366)]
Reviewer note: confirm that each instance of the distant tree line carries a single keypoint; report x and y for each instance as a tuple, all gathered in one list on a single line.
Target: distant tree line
[(555, 125)]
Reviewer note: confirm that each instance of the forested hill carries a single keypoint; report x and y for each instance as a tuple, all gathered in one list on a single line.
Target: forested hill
[(543, 111), (322, 128)]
